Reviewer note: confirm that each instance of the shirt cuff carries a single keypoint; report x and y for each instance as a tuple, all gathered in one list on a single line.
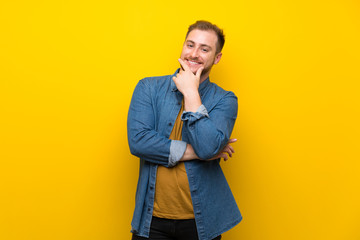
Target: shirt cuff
[(200, 112), (177, 150)]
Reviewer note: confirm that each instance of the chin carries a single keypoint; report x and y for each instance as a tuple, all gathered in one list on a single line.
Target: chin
[(194, 69)]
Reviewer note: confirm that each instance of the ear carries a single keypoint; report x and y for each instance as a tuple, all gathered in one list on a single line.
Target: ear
[(218, 57)]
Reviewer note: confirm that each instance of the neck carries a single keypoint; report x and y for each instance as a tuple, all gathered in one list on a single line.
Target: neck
[(204, 76)]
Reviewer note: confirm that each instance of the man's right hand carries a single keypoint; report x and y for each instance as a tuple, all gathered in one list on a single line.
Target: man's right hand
[(188, 84)]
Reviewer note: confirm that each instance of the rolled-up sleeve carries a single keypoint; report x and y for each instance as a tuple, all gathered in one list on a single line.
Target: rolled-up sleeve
[(200, 113), (177, 150)]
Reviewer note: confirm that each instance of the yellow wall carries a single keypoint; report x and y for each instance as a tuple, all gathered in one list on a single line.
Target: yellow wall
[(67, 72)]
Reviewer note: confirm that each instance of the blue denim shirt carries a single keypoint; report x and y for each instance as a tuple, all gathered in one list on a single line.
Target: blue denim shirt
[(154, 107)]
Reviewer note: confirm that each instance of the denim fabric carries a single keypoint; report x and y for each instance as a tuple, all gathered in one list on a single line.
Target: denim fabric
[(154, 107)]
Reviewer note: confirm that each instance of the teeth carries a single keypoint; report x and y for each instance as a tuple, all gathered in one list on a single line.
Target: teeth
[(192, 62)]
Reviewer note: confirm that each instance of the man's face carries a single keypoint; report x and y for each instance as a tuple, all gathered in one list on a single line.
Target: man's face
[(199, 50)]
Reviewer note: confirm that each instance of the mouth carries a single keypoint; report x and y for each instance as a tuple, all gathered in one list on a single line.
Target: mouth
[(193, 62)]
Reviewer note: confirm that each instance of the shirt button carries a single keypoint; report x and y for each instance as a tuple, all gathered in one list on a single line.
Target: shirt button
[(151, 188), (170, 123), (178, 103), (149, 209)]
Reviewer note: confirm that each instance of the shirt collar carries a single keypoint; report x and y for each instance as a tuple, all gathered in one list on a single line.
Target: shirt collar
[(201, 87)]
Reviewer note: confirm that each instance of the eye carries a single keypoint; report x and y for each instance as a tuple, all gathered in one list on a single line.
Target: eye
[(190, 45), (204, 49)]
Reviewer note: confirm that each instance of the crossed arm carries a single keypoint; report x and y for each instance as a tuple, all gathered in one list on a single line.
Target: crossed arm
[(225, 153), (150, 145)]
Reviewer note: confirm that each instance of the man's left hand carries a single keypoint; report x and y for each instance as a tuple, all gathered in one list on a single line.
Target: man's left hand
[(227, 151)]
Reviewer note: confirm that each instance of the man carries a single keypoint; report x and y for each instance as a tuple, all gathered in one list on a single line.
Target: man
[(179, 126)]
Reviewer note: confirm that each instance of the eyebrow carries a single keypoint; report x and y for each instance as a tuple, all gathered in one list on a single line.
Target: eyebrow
[(202, 45)]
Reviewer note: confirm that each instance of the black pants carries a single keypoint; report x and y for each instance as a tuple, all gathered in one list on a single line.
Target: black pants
[(168, 229)]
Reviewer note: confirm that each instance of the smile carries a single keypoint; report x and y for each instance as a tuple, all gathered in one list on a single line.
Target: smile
[(193, 63)]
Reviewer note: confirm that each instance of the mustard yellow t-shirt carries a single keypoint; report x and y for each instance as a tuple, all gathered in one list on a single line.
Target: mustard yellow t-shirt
[(172, 191)]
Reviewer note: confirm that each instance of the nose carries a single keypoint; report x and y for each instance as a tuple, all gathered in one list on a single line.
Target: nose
[(194, 53)]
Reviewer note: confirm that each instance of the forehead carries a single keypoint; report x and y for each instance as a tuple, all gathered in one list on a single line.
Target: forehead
[(203, 37)]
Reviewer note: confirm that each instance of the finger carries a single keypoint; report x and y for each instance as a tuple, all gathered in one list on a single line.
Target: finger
[(224, 156), (232, 140), (183, 65), (229, 152), (231, 148), (199, 71), (226, 150)]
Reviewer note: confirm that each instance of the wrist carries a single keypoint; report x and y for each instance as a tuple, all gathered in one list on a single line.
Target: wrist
[(192, 101), (191, 93), (189, 154)]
